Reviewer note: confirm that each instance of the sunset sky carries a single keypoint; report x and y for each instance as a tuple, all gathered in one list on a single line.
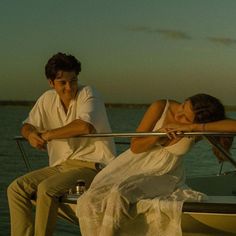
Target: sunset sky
[(132, 51)]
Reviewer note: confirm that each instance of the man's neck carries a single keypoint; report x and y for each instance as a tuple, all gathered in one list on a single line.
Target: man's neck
[(65, 105)]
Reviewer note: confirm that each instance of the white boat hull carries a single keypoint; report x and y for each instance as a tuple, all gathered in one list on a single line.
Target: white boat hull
[(215, 216), (208, 223), (193, 223)]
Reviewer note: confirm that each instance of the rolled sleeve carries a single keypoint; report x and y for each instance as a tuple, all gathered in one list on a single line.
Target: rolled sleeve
[(92, 110), (35, 116)]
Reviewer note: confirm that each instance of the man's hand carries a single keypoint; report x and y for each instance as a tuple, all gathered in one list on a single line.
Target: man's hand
[(37, 141), (45, 136)]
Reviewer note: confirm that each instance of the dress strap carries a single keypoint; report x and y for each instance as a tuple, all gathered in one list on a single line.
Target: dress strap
[(159, 123)]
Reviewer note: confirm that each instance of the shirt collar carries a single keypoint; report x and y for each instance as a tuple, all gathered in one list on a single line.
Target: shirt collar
[(59, 104)]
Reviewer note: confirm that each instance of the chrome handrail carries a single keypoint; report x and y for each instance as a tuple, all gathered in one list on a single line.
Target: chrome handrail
[(142, 134), (19, 139), (207, 135)]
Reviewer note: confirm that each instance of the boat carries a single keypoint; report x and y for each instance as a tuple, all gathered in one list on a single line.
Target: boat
[(214, 216), (217, 214)]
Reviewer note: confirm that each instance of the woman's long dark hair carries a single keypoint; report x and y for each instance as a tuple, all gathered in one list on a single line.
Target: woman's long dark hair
[(207, 108)]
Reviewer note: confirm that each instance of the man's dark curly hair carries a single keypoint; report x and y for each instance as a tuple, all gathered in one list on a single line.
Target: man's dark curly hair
[(207, 108), (61, 62)]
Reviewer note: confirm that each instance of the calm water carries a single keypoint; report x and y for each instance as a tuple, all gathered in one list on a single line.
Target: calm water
[(198, 162)]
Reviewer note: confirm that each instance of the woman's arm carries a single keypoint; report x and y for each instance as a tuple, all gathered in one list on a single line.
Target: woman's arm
[(227, 125), (152, 115)]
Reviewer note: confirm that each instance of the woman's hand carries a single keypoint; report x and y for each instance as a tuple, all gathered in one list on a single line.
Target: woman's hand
[(171, 134), (178, 127), (174, 130)]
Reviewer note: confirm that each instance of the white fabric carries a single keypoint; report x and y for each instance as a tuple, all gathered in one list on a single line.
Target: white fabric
[(48, 113), (130, 195)]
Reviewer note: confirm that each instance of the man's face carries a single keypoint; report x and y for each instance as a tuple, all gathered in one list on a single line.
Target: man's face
[(66, 85)]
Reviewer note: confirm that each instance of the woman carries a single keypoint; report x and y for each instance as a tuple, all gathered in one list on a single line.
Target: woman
[(151, 169)]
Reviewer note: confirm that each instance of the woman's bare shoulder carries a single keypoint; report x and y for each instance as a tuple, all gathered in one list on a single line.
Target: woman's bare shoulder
[(159, 103), (155, 110), (174, 102)]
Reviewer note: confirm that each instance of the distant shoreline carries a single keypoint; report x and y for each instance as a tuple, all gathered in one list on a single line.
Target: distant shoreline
[(113, 105), (110, 105)]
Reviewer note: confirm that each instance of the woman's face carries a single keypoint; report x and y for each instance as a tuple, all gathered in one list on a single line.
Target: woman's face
[(185, 113)]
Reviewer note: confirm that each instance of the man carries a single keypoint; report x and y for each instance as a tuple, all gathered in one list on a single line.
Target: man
[(65, 111)]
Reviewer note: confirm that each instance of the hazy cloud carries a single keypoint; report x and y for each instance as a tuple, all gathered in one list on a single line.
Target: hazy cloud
[(138, 29), (179, 35), (170, 34), (224, 41), (173, 34)]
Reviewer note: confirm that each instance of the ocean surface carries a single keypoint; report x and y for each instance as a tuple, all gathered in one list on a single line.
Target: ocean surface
[(199, 161)]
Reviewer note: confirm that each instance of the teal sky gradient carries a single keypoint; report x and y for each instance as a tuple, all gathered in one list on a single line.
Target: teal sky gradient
[(132, 51)]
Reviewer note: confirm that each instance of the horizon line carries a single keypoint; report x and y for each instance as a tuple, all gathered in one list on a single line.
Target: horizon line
[(32, 102), (109, 105)]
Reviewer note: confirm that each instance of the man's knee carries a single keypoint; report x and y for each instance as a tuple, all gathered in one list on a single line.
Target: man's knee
[(15, 187), (48, 189), (43, 188), (22, 187), (12, 188)]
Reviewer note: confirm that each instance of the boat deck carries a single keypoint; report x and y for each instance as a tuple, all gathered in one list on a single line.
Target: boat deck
[(215, 204)]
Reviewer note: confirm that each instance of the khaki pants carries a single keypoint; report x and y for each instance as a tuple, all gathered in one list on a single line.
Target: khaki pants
[(48, 184)]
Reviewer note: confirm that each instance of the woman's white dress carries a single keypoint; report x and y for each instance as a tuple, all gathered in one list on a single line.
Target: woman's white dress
[(138, 194)]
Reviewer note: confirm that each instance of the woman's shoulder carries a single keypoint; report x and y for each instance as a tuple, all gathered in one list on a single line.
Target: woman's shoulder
[(162, 104), (157, 107), (173, 104), (159, 103), (165, 101)]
